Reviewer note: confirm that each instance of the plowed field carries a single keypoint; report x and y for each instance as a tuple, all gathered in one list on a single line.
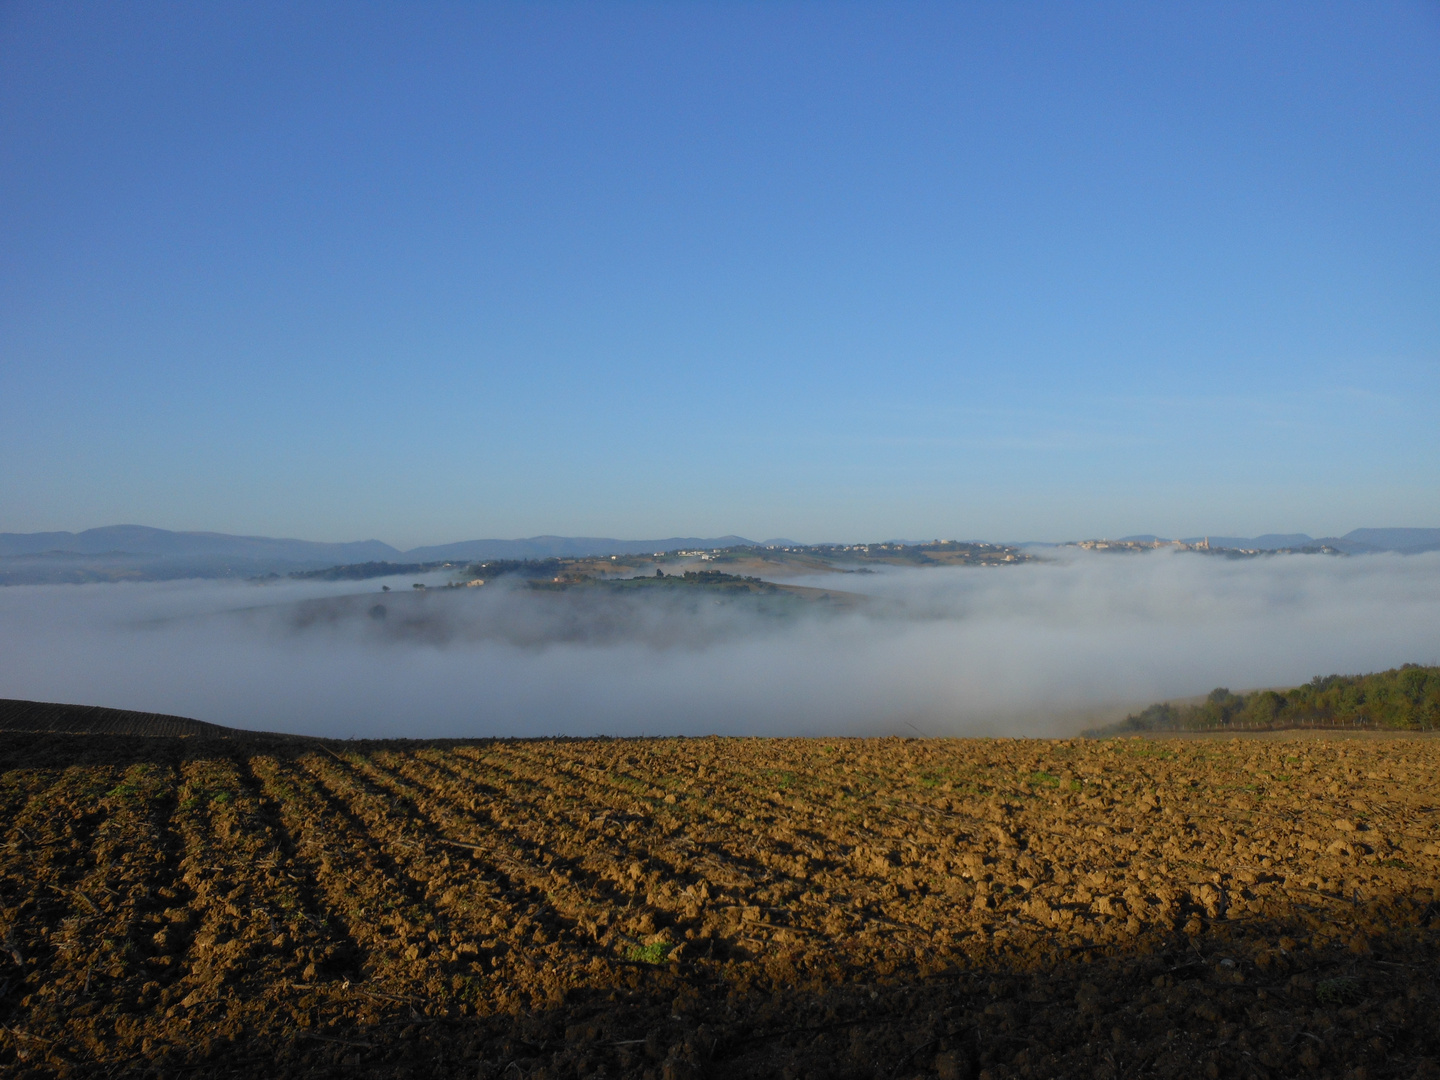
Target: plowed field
[(673, 908)]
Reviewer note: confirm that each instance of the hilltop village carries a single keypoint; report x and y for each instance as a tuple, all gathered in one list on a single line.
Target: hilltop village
[(738, 561), (1204, 547)]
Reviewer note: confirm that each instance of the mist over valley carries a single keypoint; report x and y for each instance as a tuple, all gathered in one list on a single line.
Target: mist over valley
[(1043, 647)]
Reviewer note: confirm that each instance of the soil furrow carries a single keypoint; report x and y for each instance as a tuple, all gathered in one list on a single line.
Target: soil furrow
[(472, 926), (689, 909), (249, 922), (359, 884), (597, 914), (102, 951), (297, 894), (640, 839), (521, 859), (767, 902), (48, 854), (621, 863), (509, 914), (534, 838)]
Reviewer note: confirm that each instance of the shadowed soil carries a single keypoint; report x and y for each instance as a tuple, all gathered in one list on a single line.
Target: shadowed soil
[(668, 908)]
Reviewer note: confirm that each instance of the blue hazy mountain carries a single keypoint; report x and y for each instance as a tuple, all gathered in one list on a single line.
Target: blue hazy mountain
[(1409, 541), (139, 553), (142, 540), (547, 547)]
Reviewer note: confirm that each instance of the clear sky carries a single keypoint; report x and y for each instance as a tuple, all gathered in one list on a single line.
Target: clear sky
[(426, 272)]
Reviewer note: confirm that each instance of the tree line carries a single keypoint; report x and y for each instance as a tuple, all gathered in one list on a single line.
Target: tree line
[(1406, 697)]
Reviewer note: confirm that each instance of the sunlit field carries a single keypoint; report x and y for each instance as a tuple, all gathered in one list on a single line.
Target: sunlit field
[(250, 905)]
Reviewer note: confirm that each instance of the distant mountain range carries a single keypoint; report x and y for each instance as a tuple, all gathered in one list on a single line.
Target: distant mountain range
[(546, 547), (138, 553), (161, 543)]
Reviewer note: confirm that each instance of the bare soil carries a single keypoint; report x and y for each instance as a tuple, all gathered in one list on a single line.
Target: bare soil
[(686, 908)]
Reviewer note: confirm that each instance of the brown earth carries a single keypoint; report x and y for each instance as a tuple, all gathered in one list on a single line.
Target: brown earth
[(668, 908), (98, 720)]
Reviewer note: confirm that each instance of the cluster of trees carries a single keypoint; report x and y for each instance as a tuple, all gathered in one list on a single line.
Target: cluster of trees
[(708, 579), (1405, 697), (362, 571), (535, 568), (950, 552), (717, 577), (530, 568)]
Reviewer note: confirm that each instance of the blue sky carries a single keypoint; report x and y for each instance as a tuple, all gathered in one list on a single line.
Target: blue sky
[(831, 271)]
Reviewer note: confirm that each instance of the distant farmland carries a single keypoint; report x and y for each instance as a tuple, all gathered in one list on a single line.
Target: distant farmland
[(225, 904)]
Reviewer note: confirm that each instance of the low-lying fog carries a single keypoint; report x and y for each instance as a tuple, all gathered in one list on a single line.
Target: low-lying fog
[(1036, 649)]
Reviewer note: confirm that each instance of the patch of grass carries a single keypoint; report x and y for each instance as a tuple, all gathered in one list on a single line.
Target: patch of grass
[(655, 953), (629, 782), (1044, 778), (201, 796), (1135, 746), (1339, 990), (467, 988)]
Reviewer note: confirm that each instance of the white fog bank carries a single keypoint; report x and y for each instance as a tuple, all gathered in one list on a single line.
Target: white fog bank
[(1037, 649)]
